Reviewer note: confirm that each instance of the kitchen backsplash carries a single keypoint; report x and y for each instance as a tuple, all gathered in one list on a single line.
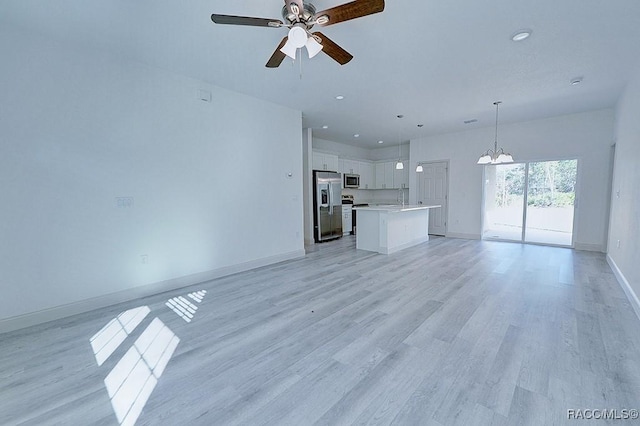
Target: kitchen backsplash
[(378, 196)]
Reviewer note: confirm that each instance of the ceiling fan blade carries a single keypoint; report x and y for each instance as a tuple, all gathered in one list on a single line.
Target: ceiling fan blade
[(333, 50), (352, 10), (291, 9), (276, 59), (246, 20)]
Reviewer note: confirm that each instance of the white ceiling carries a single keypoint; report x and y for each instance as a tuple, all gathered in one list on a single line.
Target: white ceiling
[(436, 62)]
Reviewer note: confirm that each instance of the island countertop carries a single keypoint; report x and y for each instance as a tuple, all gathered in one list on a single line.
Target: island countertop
[(396, 208), (388, 228)]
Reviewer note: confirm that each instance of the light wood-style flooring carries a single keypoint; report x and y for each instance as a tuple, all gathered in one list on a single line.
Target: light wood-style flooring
[(450, 332)]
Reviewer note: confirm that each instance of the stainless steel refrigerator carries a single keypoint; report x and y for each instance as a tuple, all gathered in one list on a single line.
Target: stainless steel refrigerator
[(327, 205)]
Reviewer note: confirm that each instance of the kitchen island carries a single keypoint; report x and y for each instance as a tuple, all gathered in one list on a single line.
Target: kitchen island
[(390, 228)]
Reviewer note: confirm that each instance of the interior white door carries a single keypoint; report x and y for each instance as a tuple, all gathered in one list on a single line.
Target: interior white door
[(432, 190)]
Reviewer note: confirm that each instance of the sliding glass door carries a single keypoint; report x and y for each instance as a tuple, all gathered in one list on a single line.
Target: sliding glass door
[(531, 202), (504, 202), (550, 202)]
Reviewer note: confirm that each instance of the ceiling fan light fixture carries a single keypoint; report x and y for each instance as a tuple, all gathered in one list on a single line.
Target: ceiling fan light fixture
[(313, 47), (289, 49), (298, 36)]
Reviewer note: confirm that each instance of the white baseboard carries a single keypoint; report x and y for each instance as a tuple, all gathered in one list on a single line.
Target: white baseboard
[(631, 295), (589, 247), (463, 236), (63, 311)]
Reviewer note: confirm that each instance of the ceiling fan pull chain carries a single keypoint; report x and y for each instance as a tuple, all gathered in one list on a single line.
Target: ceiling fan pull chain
[(300, 67)]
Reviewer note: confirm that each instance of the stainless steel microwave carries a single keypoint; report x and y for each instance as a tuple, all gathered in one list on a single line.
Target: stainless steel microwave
[(351, 181)]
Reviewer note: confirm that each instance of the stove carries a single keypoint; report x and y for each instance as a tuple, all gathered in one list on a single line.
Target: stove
[(348, 199)]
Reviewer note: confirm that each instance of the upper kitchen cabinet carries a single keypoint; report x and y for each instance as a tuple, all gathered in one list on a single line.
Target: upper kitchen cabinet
[(351, 167), (401, 177), (324, 161), (366, 175), (384, 175)]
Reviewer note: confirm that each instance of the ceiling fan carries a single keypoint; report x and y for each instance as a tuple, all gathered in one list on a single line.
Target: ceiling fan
[(300, 16)]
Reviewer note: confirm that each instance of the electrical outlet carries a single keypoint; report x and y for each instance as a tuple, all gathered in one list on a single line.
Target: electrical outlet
[(204, 95), (618, 244), (124, 202), (144, 259)]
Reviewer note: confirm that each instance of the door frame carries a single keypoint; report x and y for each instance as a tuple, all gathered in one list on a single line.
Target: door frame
[(446, 196)]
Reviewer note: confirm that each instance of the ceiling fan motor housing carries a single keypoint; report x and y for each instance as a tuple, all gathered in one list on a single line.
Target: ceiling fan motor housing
[(305, 16)]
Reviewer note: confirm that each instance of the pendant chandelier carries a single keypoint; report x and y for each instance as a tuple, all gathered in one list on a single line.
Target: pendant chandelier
[(495, 156)]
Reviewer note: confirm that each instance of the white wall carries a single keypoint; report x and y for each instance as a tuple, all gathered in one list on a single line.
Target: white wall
[(78, 129), (625, 200), (389, 152), (586, 136), (357, 153), (307, 173), (340, 149)]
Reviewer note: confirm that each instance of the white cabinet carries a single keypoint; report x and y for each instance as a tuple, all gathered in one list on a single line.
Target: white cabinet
[(384, 175), (366, 175), (362, 168), (380, 175), (401, 177), (346, 166), (349, 166), (346, 219), (324, 161)]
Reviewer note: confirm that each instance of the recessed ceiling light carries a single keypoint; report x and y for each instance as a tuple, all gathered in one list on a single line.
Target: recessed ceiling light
[(521, 35), (576, 80), (356, 135), (380, 141), (339, 97), (325, 127)]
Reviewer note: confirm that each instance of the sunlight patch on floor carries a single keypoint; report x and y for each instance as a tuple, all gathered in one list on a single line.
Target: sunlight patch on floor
[(111, 336)]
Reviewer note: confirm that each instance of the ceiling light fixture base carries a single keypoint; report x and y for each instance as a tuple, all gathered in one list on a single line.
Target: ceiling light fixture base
[(521, 35)]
